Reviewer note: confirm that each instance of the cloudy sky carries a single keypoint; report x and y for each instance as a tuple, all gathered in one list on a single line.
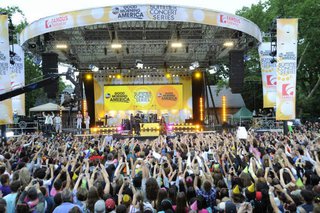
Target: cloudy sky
[(36, 9)]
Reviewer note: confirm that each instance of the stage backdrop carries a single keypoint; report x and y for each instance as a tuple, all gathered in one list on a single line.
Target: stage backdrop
[(120, 97), (143, 97)]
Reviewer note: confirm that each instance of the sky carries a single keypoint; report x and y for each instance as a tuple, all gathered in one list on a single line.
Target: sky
[(36, 9)]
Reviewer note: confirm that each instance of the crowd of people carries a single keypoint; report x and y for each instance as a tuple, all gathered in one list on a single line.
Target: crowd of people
[(198, 172)]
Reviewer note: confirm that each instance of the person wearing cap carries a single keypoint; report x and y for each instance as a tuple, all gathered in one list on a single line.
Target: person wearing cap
[(110, 205), (100, 207)]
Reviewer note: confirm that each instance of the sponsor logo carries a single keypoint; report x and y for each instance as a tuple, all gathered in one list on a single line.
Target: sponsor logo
[(161, 12), (56, 21), (128, 12), (230, 20), (271, 80), (287, 91), (115, 10)]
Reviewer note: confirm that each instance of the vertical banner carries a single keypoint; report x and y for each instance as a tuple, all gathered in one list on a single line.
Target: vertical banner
[(287, 38), (6, 105), (16, 70), (269, 75)]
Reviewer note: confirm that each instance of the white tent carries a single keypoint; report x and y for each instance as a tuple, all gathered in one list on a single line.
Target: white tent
[(46, 107)]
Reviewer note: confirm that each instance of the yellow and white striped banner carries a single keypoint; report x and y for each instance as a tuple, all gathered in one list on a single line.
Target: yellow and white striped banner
[(287, 38), (5, 82), (269, 75)]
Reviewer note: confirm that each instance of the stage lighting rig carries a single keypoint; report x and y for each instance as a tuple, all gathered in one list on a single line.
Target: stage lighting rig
[(139, 64)]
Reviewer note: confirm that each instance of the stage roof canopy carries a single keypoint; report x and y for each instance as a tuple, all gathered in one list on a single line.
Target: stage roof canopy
[(146, 33)]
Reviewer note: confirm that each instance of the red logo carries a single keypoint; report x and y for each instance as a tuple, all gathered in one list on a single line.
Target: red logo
[(56, 22), (47, 24), (287, 90), (271, 80), (230, 20)]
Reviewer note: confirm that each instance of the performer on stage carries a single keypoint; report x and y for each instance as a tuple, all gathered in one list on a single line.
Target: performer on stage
[(163, 126), (87, 120), (58, 123), (131, 123), (79, 120), (137, 121), (106, 119), (48, 121)]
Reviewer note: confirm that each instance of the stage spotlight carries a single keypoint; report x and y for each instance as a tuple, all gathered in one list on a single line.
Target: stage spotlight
[(176, 45), (168, 75), (118, 76), (273, 60), (139, 64), (119, 128), (228, 44), (116, 46), (61, 46), (197, 75), (88, 77), (12, 62), (273, 53)]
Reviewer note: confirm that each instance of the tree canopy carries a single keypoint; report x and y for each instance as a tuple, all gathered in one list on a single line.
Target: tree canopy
[(308, 70), (32, 70)]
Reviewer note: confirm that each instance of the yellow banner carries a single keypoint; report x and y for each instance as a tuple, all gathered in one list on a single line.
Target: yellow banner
[(269, 75), (5, 86), (143, 97), (287, 38)]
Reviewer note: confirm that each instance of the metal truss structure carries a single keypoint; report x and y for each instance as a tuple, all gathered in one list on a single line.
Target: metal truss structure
[(148, 41)]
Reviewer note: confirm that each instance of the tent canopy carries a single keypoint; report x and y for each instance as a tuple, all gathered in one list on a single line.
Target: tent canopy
[(46, 107), (243, 113)]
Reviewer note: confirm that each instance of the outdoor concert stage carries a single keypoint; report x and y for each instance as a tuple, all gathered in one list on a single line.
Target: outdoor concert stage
[(147, 130), (149, 60)]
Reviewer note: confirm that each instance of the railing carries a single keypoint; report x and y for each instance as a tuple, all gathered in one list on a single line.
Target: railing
[(23, 126), (267, 123)]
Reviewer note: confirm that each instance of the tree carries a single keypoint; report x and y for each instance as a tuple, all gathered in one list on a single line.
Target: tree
[(33, 71), (308, 70)]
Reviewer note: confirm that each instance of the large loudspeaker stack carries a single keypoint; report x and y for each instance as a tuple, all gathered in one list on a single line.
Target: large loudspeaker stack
[(236, 72), (50, 65)]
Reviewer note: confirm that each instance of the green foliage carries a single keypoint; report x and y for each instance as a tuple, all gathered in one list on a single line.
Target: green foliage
[(308, 72), (33, 72)]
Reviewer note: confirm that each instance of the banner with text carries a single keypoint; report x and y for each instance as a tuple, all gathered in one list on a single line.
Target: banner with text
[(143, 97), (287, 38), (5, 86), (121, 13), (269, 75), (16, 71)]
